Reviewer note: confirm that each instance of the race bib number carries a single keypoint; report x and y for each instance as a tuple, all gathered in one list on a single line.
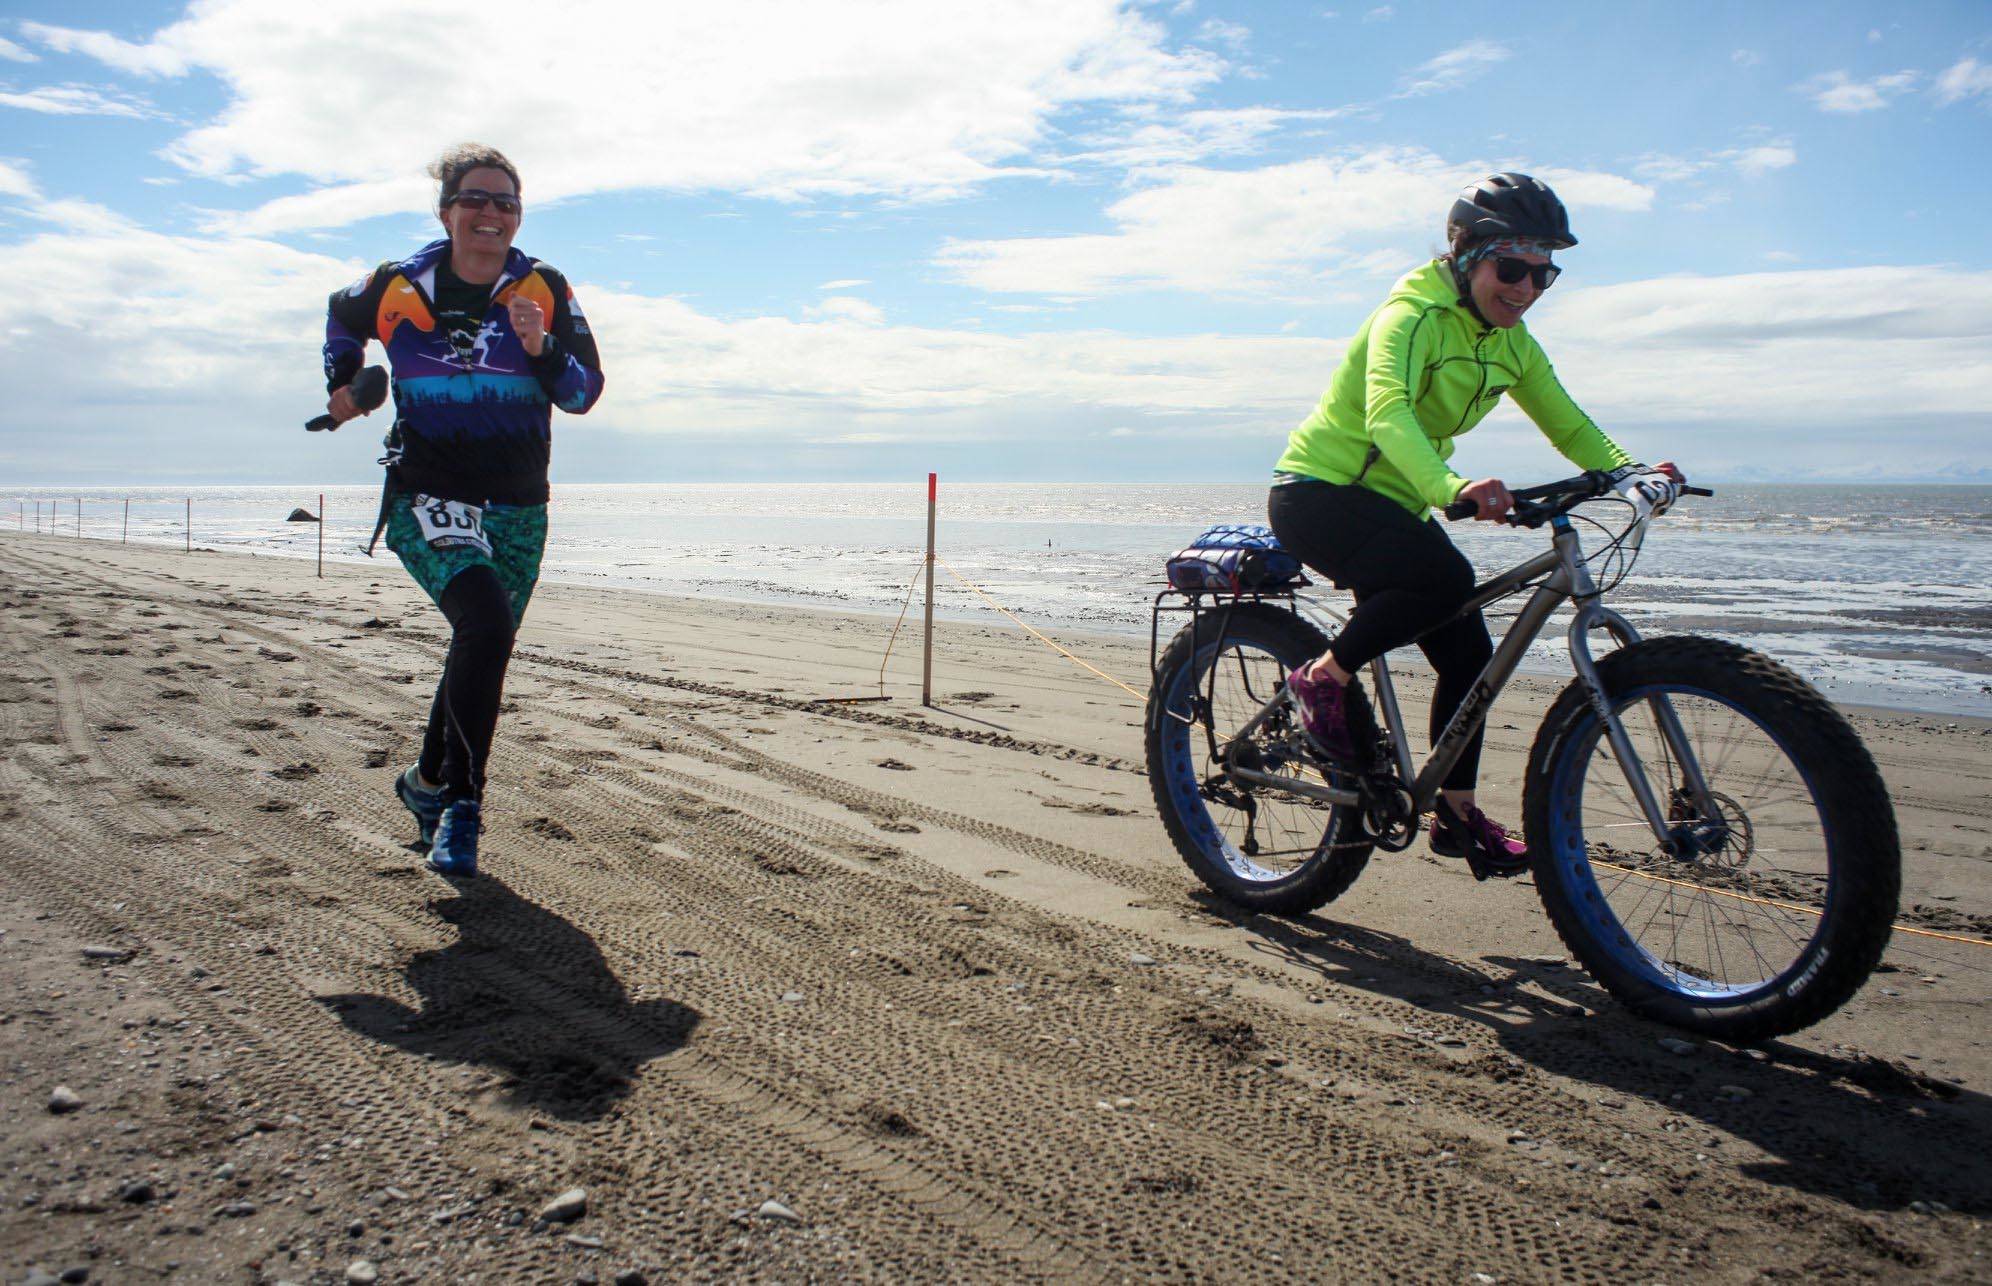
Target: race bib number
[(451, 524)]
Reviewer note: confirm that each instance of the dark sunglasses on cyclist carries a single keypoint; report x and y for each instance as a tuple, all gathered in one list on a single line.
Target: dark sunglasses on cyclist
[(478, 198), (1510, 270)]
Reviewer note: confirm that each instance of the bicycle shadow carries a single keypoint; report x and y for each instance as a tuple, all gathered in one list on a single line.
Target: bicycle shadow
[(1853, 1127), (528, 995)]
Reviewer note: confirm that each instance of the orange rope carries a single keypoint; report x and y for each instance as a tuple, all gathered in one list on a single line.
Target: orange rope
[(1041, 638)]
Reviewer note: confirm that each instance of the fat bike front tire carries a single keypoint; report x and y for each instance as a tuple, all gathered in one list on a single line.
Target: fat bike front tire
[(1773, 899)]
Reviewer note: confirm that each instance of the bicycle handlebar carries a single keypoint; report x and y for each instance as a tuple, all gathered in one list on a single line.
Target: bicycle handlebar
[(1535, 506), (368, 389)]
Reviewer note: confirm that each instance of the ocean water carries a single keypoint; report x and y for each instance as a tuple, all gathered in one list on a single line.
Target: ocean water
[(1880, 594)]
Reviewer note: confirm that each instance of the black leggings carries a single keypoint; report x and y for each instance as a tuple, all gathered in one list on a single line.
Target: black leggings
[(464, 717), (1408, 581)]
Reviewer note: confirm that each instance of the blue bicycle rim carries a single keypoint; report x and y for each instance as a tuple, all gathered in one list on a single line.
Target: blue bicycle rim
[(1601, 923)]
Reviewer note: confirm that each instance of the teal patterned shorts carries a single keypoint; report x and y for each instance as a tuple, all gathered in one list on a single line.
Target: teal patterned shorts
[(518, 537)]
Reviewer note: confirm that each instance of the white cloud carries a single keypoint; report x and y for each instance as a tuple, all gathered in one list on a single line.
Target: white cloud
[(844, 283), (1382, 13), (1182, 138), (203, 337), (13, 53), (1595, 190), (14, 180), (1274, 229), (1231, 35), (774, 98), (1898, 341), (1745, 58), (1965, 78), (74, 100), (1452, 69), (1836, 91), (164, 55), (330, 207), (1752, 160), (1762, 158), (847, 308), (207, 342)]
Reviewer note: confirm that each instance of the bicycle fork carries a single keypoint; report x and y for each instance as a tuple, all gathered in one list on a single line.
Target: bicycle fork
[(1682, 760)]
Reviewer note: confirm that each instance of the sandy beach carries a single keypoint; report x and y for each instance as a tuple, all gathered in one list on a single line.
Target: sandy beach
[(798, 990)]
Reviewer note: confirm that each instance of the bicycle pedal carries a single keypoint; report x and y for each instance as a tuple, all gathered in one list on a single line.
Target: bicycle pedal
[(1484, 870)]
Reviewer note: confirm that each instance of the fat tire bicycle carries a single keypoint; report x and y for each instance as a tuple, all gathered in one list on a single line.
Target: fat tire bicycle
[(1708, 834)]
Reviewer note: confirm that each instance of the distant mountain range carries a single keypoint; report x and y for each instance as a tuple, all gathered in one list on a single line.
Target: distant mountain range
[(1961, 474)]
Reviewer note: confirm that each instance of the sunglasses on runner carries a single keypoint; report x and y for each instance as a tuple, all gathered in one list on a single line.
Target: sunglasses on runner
[(478, 198), (1509, 271)]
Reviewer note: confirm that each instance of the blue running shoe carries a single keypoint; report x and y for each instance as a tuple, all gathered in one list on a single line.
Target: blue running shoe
[(454, 851), (427, 805)]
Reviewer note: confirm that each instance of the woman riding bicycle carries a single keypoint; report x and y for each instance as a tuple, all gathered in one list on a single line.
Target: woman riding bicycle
[(484, 342), (1352, 495)]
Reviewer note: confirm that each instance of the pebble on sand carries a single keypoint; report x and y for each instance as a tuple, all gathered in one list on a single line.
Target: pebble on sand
[(567, 1207), (775, 1210), (362, 1273), (63, 1099), (1136, 958), (1675, 1045)]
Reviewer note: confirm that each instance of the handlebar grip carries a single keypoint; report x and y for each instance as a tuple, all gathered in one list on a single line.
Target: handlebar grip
[(1459, 509), (1696, 491), (320, 423)]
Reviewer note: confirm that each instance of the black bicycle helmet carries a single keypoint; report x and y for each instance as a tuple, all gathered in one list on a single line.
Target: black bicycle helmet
[(1510, 205)]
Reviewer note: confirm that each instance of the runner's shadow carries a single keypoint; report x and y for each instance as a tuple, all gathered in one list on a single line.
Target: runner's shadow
[(1841, 1124), (526, 994)]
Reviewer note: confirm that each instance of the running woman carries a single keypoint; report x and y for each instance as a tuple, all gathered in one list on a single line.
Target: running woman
[(483, 342), (1352, 496)]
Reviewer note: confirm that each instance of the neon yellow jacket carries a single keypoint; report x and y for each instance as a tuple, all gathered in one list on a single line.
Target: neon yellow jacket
[(1422, 371)]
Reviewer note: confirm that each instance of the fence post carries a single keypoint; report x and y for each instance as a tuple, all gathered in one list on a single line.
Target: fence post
[(125, 537), (79, 517), (321, 535), (190, 524), (927, 657)]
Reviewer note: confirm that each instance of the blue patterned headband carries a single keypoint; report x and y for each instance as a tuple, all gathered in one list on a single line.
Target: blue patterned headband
[(1512, 246)]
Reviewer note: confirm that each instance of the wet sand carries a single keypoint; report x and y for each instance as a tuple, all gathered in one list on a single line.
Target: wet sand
[(933, 981)]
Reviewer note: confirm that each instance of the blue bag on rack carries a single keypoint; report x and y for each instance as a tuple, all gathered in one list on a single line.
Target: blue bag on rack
[(1235, 558)]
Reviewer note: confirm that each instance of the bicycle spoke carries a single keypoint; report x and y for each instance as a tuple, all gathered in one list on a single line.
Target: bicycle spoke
[(1762, 850)]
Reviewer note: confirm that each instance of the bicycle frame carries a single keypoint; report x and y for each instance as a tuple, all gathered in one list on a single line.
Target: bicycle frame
[(1563, 577)]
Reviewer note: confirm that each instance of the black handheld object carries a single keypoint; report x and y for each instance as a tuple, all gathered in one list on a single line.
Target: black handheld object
[(369, 390)]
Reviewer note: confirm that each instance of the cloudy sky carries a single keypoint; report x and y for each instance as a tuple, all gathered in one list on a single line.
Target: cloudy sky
[(1007, 239)]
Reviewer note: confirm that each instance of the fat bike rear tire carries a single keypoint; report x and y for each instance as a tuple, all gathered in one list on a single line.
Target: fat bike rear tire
[(1258, 848)]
